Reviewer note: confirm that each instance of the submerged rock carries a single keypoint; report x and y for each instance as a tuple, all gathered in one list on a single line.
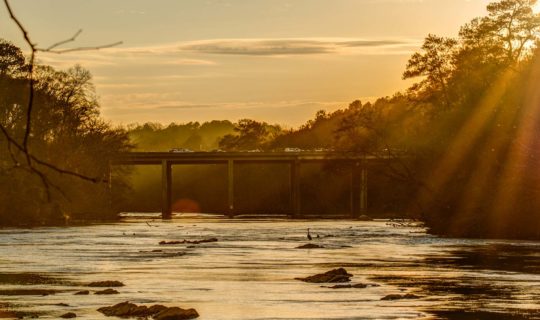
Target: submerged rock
[(400, 296), (82, 293), (107, 284), (348, 286), (68, 315), (188, 241), (27, 292), (158, 312), (8, 314), (107, 291), (123, 309), (17, 314), (171, 242), (333, 276), (310, 246), (27, 278)]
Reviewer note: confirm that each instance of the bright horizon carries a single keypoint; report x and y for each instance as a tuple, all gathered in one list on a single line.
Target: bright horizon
[(277, 61)]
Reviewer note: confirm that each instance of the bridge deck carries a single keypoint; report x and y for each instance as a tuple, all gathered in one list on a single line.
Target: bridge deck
[(134, 158)]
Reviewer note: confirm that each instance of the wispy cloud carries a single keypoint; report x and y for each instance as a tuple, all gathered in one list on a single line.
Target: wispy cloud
[(283, 47), (185, 53)]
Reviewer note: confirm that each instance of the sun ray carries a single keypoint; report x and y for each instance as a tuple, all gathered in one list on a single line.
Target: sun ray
[(491, 150), (463, 143), (524, 142)]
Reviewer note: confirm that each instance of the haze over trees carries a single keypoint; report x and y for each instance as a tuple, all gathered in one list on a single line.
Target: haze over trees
[(193, 135)]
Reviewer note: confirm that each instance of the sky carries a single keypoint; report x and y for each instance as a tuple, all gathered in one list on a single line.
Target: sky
[(277, 61)]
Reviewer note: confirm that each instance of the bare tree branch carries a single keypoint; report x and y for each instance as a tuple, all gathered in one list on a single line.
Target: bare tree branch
[(30, 158), (13, 142), (60, 43), (110, 45), (30, 74), (19, 24)]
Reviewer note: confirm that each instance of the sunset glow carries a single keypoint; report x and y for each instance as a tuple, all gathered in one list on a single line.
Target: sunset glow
[(270, 159), (278, 61)]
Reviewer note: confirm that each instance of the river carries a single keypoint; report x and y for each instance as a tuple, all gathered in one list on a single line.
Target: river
[(249, 273)]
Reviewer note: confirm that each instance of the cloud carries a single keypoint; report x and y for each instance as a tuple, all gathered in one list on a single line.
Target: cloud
[(189, 53), (284, 47), (373, 43), (190, 62), (258, 47)]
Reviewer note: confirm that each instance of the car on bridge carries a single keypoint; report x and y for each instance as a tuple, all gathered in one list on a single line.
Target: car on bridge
[(180, 150), (293, 150)]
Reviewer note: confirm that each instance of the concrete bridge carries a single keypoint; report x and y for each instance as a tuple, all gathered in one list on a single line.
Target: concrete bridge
[(357, 162)]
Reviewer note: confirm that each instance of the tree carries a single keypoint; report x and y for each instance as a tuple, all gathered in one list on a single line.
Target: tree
[(510, 29), (11, 58), (249, 135), (435, 63)]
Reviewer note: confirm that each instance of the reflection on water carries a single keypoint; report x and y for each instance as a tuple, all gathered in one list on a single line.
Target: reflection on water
[(249, 273)]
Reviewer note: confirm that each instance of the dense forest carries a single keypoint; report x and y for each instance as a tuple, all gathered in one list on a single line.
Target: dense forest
[(462, 142)]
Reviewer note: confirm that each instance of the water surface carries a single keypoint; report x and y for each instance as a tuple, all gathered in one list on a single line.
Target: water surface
[(249, 273)]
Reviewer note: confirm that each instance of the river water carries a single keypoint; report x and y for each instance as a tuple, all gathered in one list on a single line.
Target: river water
[(249, 273)]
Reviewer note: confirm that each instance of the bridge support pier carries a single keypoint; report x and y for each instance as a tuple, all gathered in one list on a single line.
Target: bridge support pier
[(363, 191), (294, 185), (166, 190), (359, 190), (230, 188)]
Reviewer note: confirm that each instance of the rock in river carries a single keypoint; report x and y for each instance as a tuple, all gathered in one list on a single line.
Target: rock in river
[(188, 241), (176, 313), (68, 315), (310, 246), (400, 296), (107, 291), (348, 286), (82, 293), (106, 284), (333, 276), (158, 312), (8, 315)]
